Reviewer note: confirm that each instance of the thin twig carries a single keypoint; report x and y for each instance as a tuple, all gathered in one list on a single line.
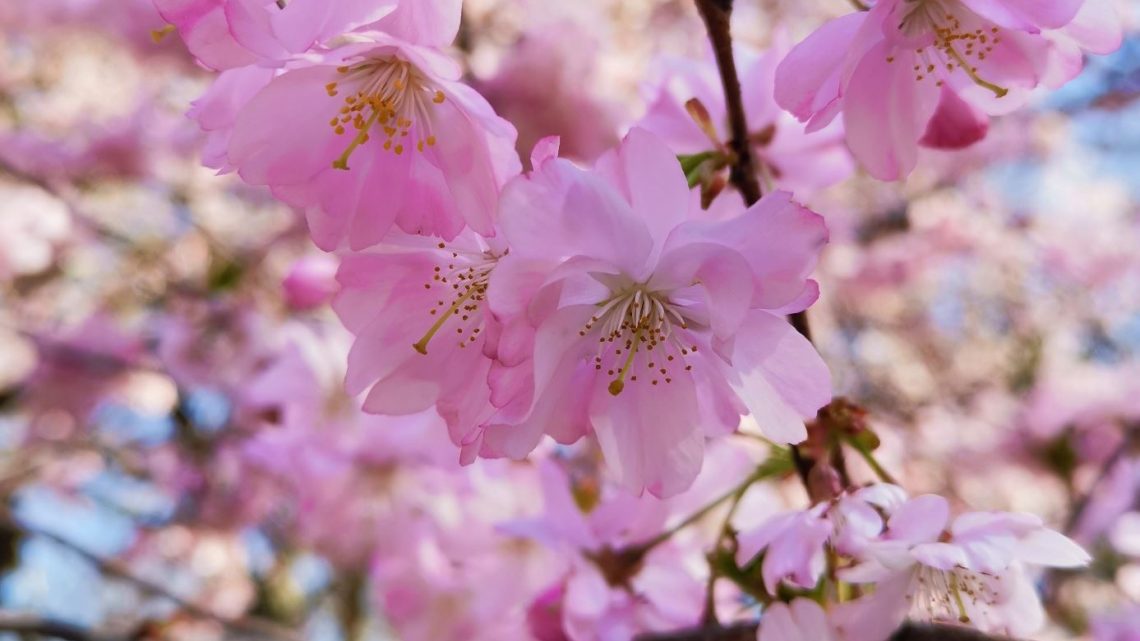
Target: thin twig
[(1082, 504), (246, 625), (33, 624), (737, 490), (717, 16), (747, 632)]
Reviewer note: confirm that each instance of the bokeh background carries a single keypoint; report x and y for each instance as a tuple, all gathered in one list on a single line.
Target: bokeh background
[(156, 319)]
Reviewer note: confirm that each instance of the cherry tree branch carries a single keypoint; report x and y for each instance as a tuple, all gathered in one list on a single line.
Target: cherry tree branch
[(747, 632), (717, 16), (247, 626), (32, 624)]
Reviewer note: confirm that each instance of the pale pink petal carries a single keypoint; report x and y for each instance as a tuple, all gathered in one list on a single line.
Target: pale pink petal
[(649, 436), (651, 180), (780, 238), (812, 620), (545, 149), (1096, 28), (1026, 15), (919, 520), (942, 556), (1051, 549), (782, 378), (878, 616), (808, 79), (886, 112), (722, 281), (428, 22), (778, 624), (560, 211)]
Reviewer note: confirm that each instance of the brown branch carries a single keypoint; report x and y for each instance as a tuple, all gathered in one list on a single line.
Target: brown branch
[(747, 632), (32, 624), (717, 16), (252, 626)]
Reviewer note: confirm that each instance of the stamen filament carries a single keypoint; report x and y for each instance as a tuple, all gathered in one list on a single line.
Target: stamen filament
[(618, 384), (361, 137), (1000, 92), (957, 593), (421, 345)]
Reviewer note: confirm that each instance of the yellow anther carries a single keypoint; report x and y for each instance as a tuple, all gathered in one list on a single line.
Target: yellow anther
[(158, 35)]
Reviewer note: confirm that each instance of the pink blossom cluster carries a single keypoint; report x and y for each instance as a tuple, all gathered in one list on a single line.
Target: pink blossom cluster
[(563, 302)]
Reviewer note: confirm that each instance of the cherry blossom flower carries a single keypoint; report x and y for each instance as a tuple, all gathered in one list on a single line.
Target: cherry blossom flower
[(928, 71), (418, 310), (793, 547), (375, 133), (604, 593), (787, 157), (650, 329), (969, 570)]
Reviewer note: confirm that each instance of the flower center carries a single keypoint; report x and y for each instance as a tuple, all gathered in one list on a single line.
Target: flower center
[(462, 282), (390, 94), (943, 594), (955, 46), (636, 327)]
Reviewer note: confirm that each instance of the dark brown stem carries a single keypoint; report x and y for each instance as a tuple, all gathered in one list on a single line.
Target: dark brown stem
[(31, 624), (717, 16), (747, 632)]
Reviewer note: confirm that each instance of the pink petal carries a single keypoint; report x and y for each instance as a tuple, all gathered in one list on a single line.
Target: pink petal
[(886, 111), (782, 378), (721, 277), (560, 211), (778, 624), (781, 240), (427, 22), (650, 178), (1051, 549), (1026, 15), (649, 435), (919, 520), (808, 79), (1096, 28), (545, 149), (942, 556), (955, 124)]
